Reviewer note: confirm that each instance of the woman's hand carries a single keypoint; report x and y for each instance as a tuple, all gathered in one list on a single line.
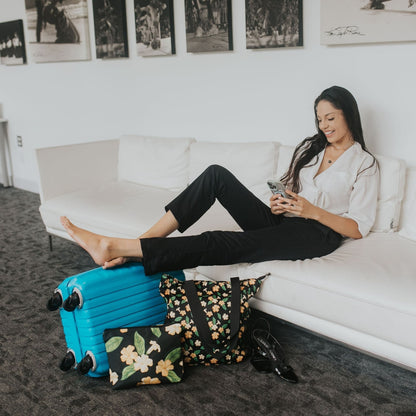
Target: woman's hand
[(274, 205), (303, 208), (297, 205)]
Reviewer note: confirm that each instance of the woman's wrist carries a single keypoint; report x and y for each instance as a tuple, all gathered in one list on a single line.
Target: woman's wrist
[(316, 214), (344, 226)]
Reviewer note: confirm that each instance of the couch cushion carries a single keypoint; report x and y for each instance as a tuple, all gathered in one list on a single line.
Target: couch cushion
[(408, 218), (141, 206), (252, 163), (119, 209), (367, 285), (154, 161), (392, 180)]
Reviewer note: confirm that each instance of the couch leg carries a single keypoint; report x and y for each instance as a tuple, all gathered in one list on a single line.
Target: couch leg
[(50, 242)]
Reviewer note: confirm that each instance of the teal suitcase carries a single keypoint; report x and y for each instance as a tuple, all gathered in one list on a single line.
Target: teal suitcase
[(98, 299)]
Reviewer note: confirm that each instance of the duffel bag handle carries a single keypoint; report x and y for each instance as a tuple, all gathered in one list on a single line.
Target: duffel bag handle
[(202, 324)]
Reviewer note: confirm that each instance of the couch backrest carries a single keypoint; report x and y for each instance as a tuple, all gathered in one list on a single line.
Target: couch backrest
[(392, 180), (252, 163), (172, 163), (154, 161), (69, 168)]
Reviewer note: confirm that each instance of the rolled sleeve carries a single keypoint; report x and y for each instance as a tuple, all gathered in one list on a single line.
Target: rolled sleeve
[(363, 200)]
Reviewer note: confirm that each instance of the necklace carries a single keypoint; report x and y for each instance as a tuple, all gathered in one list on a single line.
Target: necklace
[(342, 151)]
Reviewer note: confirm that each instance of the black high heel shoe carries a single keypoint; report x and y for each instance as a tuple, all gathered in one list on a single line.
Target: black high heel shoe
[(261, 363), (270, 356)]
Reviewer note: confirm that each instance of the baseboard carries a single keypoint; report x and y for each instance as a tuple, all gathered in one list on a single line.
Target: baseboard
[(26, 185)]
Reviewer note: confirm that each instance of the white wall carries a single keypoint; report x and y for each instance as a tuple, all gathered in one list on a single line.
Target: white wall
[(231, 96)]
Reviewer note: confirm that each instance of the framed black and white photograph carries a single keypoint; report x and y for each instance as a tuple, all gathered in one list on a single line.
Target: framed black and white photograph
[(274, 23), (367, 21), (110, 26), (12, 43), (155, 32), (58, 30), (208, 25)]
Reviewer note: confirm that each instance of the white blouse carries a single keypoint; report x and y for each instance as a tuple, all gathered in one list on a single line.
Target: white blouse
[(345, 188)]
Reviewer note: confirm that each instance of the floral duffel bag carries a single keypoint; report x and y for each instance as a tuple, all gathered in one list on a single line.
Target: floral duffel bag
[(213, 317)]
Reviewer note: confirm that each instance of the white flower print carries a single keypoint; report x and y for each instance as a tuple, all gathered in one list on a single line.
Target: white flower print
[(173, 329), (143, 363), (154, 346), (113, 377), (128, 354)]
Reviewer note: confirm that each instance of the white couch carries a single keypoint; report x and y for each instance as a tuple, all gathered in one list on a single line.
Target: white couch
[(362, 295)]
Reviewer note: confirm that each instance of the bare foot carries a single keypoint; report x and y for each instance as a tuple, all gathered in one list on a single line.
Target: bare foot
[(97, 246)]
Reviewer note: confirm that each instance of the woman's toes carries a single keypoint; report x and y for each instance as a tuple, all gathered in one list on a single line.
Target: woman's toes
[(65, 222), (69, 227)]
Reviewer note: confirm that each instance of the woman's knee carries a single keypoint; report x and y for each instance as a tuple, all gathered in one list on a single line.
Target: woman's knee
[(217, 170)]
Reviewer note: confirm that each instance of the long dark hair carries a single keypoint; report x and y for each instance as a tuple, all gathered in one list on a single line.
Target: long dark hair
[(310, 147)]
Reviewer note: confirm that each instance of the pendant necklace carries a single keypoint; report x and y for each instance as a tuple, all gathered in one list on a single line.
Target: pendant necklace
[(343, 150)]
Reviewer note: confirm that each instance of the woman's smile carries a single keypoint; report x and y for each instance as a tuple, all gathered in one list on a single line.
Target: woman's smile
[(333, 124)]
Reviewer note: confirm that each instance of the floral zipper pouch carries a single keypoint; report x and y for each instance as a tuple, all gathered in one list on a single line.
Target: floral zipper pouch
[(144, 355)]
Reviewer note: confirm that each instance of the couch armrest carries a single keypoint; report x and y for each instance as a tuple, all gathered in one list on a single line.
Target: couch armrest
[(64, 169)]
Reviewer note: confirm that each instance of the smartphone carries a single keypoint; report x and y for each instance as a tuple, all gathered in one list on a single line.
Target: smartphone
[(277, 188)]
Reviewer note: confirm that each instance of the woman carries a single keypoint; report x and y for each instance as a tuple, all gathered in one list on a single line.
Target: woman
[(332, 182)]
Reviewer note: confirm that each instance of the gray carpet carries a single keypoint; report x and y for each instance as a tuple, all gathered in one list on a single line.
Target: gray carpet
[(333, 379)]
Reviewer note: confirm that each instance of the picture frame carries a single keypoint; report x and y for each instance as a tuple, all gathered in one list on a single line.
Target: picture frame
[(367, 21), (208, 26), (155, 29), (274, 24), (110, 28), (12, 43), (58, 30)]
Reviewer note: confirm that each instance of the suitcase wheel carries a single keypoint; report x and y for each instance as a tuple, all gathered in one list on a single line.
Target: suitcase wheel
[(86, 364), (72, 302), (68, 362), (55, 302)]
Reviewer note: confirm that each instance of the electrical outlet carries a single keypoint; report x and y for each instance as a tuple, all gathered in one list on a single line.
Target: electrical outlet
[(19, 141)]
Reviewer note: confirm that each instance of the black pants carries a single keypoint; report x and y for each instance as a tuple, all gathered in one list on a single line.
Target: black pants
[(265, 236)]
